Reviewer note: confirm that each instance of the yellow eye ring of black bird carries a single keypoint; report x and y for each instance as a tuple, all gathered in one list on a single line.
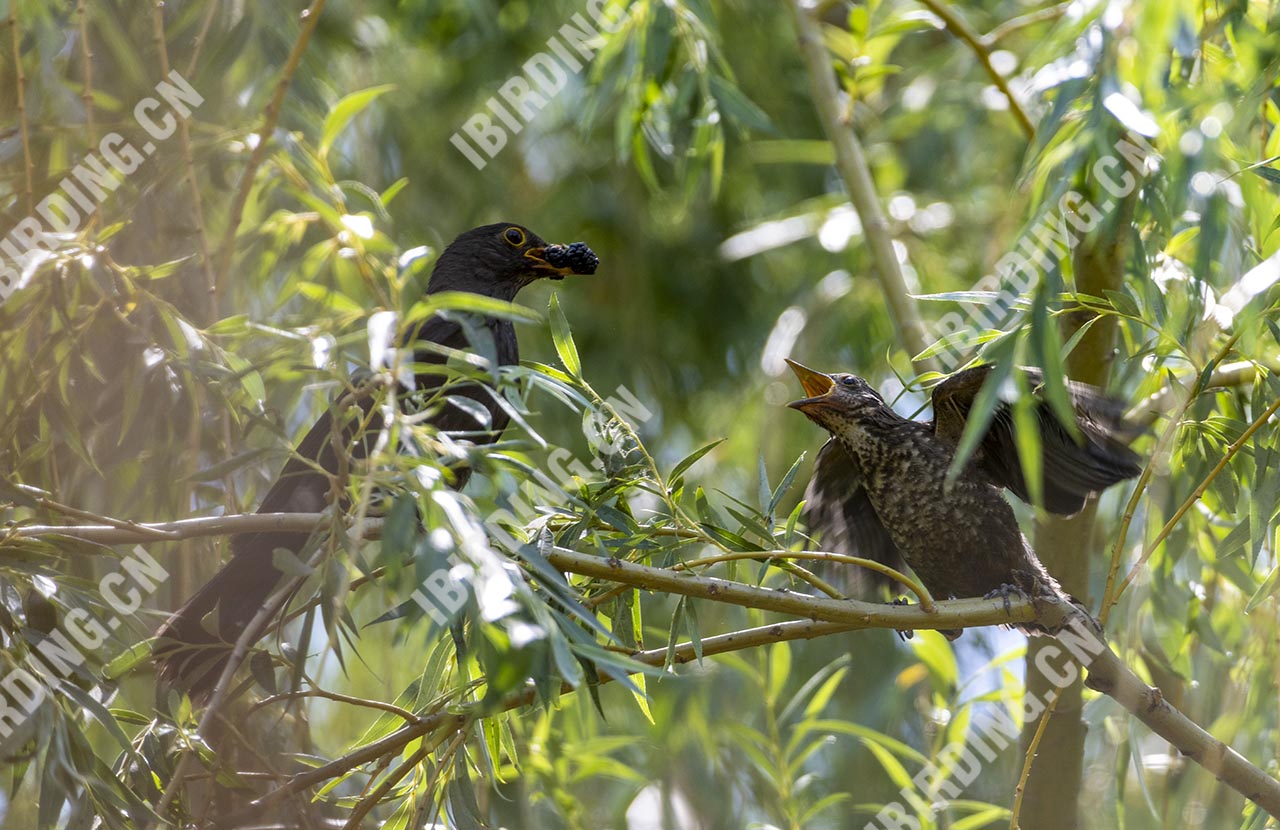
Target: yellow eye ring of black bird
[(514, 236)]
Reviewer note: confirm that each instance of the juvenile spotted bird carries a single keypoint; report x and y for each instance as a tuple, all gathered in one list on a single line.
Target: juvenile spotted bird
[(496, 261), (880, 488)]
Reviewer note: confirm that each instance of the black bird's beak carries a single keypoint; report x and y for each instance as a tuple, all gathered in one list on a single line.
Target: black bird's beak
[(816, 385), (560, 261)]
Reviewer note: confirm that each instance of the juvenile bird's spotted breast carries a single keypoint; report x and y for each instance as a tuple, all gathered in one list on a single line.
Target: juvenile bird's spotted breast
[(882, 487), (961, 537)]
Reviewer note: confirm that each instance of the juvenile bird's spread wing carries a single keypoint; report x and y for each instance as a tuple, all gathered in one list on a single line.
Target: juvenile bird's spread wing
[(840, 516), (1074, 465)]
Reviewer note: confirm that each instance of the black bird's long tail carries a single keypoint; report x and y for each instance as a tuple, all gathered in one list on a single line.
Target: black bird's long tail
[(195, 643)]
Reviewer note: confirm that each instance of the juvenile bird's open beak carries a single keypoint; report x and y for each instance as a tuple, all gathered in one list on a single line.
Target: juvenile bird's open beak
[(816, 385), (560, 261)]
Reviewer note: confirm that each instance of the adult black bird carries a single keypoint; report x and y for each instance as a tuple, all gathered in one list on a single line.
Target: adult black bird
[(496, 261), (880, 487)]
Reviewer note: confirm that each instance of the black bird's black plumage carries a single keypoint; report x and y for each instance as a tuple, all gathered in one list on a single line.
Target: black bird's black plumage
[(881, 490), (496, 261)]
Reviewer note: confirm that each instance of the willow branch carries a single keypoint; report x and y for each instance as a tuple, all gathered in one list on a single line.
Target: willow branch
[(1159, 453), (86, 95), (41, 499), (20, 94), (408, 765), (1107, 674), (390, 708), (457, 719), (1149, 409), (1195, 497), (310, 18), (1029, 757), (953, 614), (197, 206), (820, 616), (956, 25), (959, 613), (1017, 24), (117, 532), (197, 45), (851, 162)]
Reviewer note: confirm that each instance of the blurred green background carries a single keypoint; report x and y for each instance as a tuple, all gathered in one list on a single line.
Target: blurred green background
[(688, 154)]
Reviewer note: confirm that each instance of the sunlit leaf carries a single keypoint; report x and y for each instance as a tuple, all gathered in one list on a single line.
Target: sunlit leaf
[(344, 111)]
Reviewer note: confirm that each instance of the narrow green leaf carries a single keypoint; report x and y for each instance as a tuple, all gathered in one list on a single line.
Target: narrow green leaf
[(1269, 173), (1026, 438), (752, 524), (475, 303), (391, 192), (346, 109), (975, 297), (1124, 303), (892, 766), (738, 107), (673, 634), (730, 540), (983, 410), (563, 339), (1265, 590), (691, 625), (989, 817), (784, 486), (824, 693), (641, 693), (692, 458), (932, 649), (779, 669), (791, 151), (126, 660)]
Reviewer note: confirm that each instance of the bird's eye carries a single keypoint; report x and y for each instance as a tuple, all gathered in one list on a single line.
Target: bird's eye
[(515, 236), (849, 380)]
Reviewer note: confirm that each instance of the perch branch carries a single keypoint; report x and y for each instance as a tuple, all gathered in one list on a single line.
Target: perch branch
[(821, 615)]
